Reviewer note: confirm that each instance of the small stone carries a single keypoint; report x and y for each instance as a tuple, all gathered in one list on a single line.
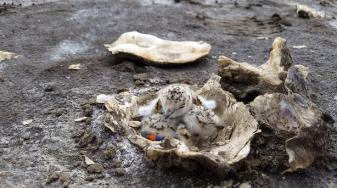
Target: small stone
[(120, 171), (306, 12), (87, 110), (87, 138), (49, 88), (89, 178), (141, 77), (325, 3), (26, 136), (27, 122), (95, 168), (59, 112), (65, 179), (53, 177), (109, 153), (74, 67), (116, 163), (88, 161), (299, 46), (139, 83), (262, 38), (77, 134), (77, 164), (81, 119)]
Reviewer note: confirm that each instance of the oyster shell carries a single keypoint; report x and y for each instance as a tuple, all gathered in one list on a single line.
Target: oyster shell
[(300, 80), (247, 81), (156, 50), (295, 120), (279, 96), (7, 55), (225, 142)]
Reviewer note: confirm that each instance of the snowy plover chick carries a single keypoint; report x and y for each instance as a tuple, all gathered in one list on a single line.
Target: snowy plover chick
[(158, 124), (175, 101), (202, 123)]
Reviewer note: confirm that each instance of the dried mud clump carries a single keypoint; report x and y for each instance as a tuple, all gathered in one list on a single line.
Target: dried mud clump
[(158, 51)]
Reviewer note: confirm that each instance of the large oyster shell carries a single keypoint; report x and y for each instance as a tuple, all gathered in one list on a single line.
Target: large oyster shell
[(295, 120), (231, 145), (156, 50), (279, 96), (247, 81)]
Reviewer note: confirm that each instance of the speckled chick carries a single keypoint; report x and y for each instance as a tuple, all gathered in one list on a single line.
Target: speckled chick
[(175, 101), (202, 123), (158, 124)]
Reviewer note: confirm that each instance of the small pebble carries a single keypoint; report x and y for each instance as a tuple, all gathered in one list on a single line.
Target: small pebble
[(299, 47), (27, 122), (53, 177), (95, 168), (74, 67), (26, 136), (120, 171)]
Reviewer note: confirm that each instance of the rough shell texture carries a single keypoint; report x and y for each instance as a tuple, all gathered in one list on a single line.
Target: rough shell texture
[(279, 99), (7, 55), (300, 80), (156, 50), (297, 121), (246, 81), (230, 145)]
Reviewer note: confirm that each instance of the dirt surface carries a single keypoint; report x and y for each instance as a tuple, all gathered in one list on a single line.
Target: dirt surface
[(49, 36)]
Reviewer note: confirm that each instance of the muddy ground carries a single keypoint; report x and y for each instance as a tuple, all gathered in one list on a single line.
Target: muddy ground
[(49, 36)]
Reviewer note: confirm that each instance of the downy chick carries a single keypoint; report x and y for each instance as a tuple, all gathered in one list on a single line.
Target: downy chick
[(202, 123), (175, 101), (159, 125)]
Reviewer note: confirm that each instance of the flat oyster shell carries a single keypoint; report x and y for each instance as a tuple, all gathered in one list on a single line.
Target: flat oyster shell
[(231, 145), (159, 51), (295, 120), (247, 81)]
